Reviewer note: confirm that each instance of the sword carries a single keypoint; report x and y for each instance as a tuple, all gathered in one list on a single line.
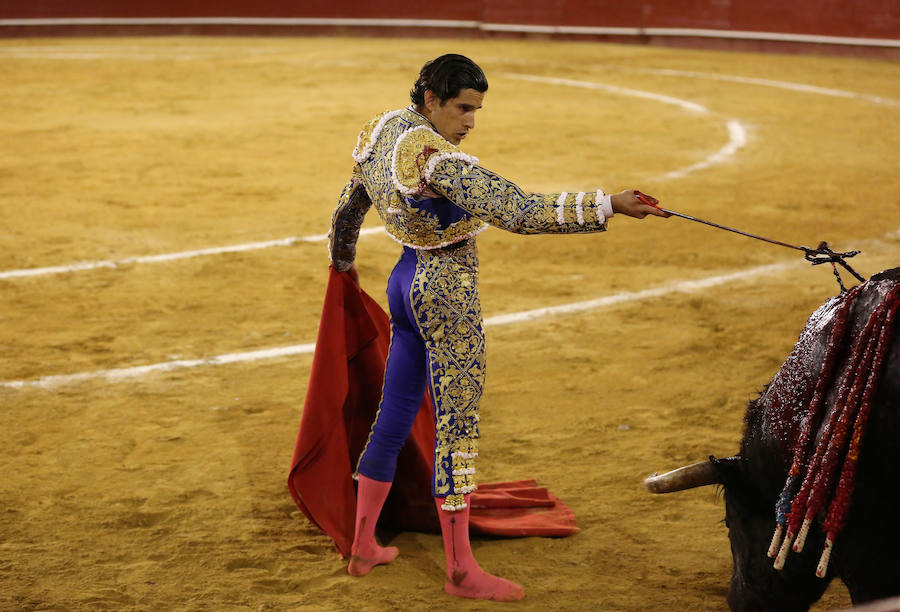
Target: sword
[(821, 254)]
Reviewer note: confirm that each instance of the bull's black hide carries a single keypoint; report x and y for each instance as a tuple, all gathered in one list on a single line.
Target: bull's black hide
[(866, 555)]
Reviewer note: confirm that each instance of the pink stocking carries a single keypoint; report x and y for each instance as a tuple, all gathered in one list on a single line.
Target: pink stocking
[(365, 552), (464, 577)]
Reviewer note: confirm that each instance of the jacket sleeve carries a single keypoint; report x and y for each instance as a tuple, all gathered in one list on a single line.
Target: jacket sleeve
[(424, 161), (346, 221), (502, 203)]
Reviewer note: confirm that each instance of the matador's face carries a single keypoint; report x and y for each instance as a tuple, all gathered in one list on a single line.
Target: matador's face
[(455, 117)]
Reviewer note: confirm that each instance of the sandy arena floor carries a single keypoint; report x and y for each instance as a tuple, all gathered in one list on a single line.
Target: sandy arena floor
[(165, 490)]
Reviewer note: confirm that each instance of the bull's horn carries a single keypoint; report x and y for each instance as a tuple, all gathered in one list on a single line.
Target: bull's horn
[(687, 477)]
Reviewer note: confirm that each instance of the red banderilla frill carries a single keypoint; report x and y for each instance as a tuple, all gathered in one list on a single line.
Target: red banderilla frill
[(839, 439)]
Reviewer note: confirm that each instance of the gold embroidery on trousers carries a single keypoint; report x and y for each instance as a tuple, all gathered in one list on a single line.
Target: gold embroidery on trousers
[(444, 298)]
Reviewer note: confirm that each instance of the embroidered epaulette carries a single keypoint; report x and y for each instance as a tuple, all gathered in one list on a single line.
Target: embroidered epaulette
[(416, 154), (368, 136)]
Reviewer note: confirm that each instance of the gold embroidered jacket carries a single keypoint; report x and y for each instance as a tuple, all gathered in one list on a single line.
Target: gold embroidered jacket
[(431, 195)]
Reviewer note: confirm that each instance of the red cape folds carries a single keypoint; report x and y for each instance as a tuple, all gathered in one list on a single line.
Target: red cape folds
[(341, 402)]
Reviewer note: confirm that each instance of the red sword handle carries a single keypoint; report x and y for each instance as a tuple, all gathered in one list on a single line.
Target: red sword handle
[(649, 200)]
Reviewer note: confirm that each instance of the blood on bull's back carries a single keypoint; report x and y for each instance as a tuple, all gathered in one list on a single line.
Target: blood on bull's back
[(814, 491)]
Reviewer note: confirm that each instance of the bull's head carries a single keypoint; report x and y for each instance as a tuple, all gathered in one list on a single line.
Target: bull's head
[(749, 516)]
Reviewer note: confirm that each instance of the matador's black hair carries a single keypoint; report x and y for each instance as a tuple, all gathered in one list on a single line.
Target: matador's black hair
[(446, 76)]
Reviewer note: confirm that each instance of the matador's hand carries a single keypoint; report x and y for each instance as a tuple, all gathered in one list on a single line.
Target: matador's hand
[(628, 203)]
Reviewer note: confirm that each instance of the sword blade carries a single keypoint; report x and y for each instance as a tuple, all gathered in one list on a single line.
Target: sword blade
[(731, 229)]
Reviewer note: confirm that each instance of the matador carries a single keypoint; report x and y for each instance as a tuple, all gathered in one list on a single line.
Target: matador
[(434, 199)]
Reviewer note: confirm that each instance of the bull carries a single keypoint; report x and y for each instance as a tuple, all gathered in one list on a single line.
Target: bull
[(814, 492)]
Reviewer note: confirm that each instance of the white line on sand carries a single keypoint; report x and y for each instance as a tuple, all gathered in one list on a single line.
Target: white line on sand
[(234, 248), (737, 134), (628, 296), (635, 93), (824, 91), (737, 139), (122, 374)]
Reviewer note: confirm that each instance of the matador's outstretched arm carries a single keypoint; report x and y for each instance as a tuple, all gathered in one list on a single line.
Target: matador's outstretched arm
[(424, 161), (502, 203)]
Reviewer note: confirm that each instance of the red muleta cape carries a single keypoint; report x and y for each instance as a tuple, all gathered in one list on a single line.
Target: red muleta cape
[(341, 402)]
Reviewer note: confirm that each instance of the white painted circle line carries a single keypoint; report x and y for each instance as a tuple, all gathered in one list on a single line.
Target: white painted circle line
[(685, 286), (635, 93), (737, 138), (123, 374), (737, 134), (736, 131), (802, 87), (627, 296), (163, 257)]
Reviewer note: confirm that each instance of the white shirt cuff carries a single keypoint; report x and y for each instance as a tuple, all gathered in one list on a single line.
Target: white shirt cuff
[(605, 205)]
